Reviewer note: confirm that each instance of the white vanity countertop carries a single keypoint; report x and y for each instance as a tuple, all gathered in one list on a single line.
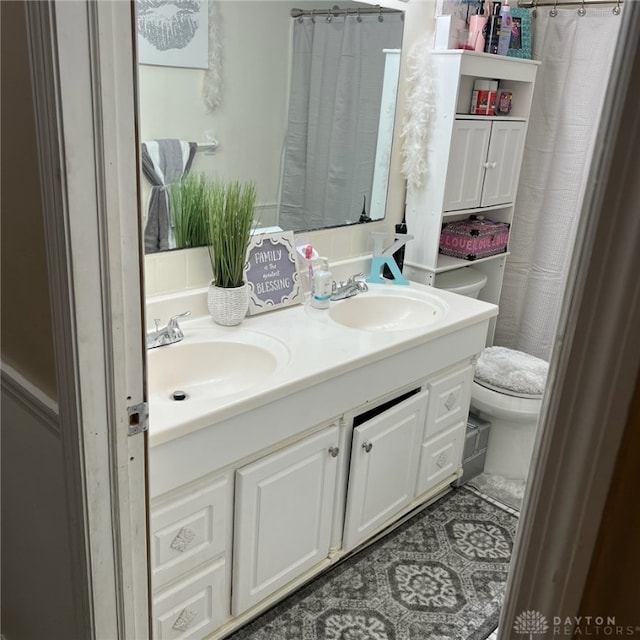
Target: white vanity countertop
[(310, 348)]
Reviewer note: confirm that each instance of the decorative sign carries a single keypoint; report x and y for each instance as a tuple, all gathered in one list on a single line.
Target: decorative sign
[(272, 272)]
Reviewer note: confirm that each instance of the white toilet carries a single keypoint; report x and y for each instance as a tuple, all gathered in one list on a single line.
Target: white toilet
[(467, 281), (507, 391)]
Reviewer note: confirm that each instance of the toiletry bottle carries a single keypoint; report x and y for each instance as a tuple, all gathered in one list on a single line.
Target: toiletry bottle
[(476, 28), (398, 255), (321, 288), (504, 37), (493, 29)]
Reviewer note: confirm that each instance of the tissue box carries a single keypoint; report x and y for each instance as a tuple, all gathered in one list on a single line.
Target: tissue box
[(474, 238)]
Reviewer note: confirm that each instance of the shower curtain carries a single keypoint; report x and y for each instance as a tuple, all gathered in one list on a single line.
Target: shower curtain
[(334, 108), (576, 53)]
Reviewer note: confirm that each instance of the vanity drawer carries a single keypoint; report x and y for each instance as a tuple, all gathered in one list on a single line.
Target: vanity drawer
[(192, 608), (440, 457), (189, 528), (449, 398)]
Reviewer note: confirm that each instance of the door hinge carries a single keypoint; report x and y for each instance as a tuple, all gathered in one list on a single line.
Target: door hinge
[(138, 418)]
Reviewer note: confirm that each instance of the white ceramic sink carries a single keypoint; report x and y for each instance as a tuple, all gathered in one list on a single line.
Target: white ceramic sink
[(214, 367), (392, 308)]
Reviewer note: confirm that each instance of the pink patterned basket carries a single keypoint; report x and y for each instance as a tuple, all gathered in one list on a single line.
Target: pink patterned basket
[(474, 238)]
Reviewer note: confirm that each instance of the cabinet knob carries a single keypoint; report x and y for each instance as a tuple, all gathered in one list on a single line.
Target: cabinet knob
[(334, 451), (490, 165), (367, 446)]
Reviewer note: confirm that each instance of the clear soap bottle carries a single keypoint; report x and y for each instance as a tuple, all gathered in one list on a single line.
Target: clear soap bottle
[(321, 286)]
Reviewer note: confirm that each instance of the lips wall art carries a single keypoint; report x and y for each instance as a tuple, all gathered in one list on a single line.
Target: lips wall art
[(173, 33)]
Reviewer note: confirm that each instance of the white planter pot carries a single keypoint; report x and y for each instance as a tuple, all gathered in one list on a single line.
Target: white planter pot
[(228, 306)]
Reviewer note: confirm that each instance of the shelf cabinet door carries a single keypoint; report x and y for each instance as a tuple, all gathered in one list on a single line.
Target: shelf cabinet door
[(384, 464), (504, 157), (284, 504), (467, 157)]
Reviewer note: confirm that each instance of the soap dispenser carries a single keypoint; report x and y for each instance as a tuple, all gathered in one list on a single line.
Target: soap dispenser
[(321, 286)]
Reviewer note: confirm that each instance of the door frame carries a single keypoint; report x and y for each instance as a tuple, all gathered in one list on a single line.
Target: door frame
[(82, 56)]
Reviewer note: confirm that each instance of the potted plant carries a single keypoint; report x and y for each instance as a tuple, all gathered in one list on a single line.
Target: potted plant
[(230, 208)]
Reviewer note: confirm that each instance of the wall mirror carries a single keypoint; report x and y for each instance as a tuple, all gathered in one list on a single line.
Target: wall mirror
[(304, 104)]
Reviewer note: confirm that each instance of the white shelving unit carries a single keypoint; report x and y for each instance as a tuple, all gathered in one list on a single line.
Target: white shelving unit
[(473, 162)]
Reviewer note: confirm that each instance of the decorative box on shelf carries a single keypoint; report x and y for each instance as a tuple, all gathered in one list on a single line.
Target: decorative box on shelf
[(474, 238)]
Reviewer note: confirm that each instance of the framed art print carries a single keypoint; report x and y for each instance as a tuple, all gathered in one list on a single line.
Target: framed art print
[(173, 33)]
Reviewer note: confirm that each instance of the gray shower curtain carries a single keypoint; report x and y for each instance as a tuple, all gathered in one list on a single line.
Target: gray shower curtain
[(334, 110)]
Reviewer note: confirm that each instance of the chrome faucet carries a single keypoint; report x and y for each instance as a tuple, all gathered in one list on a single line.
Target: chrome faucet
[(354, 285), (166, 335)]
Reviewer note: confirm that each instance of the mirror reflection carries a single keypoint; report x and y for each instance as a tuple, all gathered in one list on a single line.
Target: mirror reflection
[(297, 96)]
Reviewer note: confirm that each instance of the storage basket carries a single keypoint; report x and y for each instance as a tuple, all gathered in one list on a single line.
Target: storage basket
[(474, 238)]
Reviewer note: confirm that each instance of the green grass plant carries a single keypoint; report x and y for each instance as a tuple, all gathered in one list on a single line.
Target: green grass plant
[(230, 208), (188, 209)]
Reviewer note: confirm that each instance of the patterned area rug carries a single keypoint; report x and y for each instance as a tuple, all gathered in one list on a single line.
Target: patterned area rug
[(439, 576)]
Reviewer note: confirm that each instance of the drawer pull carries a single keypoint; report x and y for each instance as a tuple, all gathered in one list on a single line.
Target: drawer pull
[(367, 446), (183, 539), (184, 620), (442, 460), (334, 451), (451, 401)]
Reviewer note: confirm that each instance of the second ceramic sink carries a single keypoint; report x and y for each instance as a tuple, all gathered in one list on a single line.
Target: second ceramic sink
[(388, 308)]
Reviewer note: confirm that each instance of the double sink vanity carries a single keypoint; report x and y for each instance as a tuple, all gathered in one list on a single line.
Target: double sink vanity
[(281, 445)]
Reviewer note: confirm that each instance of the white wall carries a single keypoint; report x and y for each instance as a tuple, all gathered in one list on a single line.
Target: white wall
[(250, 120)]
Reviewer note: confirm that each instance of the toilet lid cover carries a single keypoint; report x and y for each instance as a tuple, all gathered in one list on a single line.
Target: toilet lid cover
[(512, 370)]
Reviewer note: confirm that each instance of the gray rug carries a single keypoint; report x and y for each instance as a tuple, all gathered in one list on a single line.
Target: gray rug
[(439, 576)]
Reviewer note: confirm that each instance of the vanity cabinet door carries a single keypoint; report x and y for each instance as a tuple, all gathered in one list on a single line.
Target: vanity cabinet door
[(284, 504), (384, 463), (450, 399), (441, 457)]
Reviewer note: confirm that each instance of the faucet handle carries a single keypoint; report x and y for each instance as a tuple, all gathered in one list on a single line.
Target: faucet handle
[(173, 321)]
